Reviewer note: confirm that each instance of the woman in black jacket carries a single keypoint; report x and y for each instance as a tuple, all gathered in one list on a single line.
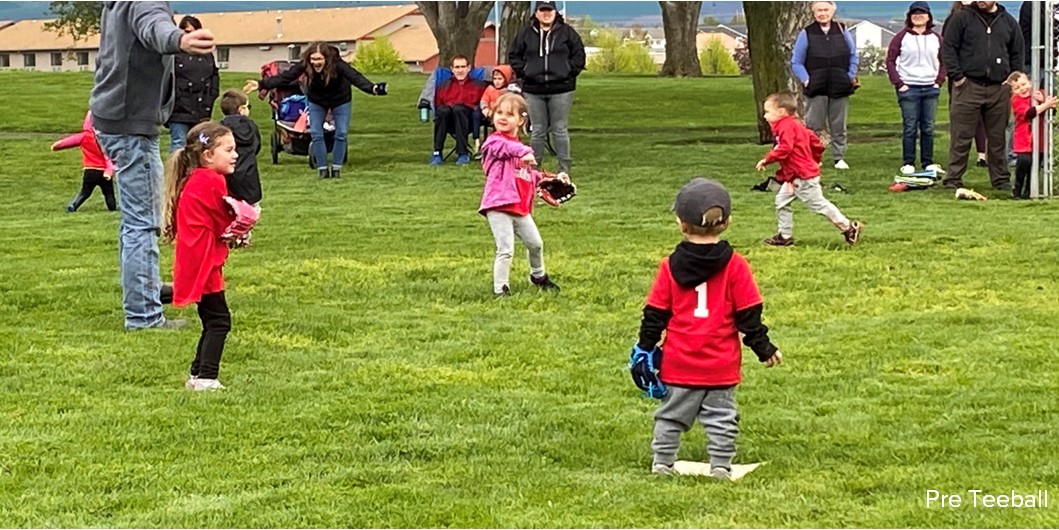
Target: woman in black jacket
[(329, 82), (197, 85), (547, 56)]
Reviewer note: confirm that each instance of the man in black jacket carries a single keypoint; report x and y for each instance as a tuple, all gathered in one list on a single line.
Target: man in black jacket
[(982, 44), (197, 83), (547, 56)]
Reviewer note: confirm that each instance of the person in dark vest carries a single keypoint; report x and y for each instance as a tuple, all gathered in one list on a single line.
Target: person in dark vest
[(981, 46), (197, 85), (825, 61)]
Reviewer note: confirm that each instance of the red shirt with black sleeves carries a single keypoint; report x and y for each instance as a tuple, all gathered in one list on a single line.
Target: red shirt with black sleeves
[(1024, 110), (797, 150), (702, 345)]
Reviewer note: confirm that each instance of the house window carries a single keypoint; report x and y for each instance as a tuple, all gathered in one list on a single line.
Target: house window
[(56, 59), (29, 60), (222, 54), (82, 58), (5, 60), (294, 52)]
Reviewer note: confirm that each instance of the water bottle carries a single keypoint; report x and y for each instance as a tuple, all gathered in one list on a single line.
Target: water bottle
[(424, 115)]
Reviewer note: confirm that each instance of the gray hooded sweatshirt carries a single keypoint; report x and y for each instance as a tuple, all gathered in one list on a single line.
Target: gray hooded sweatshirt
[(133, 92)]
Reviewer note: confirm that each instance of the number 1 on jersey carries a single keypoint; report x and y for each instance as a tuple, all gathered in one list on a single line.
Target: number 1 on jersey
[(701, 311)]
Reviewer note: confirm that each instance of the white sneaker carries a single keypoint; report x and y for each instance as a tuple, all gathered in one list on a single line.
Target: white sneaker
[(190, 383), (906, 169), (936, 169), (841, 164), (198, 385)]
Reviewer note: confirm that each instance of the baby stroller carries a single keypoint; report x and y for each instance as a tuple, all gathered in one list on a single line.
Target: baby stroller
[(288, 104)]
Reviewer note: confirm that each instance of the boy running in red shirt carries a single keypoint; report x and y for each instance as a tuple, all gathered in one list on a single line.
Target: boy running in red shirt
[(703, 296), (798, 152)]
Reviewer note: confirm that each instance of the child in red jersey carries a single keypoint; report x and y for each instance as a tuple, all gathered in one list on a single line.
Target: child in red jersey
[(1026, 106), (98, 171), (703, 296), (196, 217), (798, 152)]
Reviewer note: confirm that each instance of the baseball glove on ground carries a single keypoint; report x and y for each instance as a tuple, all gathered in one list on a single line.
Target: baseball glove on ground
[(643, 367), (246, 216), (556, 189), (967, 194)]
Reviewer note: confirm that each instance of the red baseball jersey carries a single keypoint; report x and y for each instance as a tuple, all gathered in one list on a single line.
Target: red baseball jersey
[(1022, 141), (201, 218), (702, 343)]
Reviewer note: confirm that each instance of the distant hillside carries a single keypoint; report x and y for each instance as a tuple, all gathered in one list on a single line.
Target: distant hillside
[(641, 12)]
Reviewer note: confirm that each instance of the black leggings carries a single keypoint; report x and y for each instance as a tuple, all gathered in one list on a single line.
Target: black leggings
[(91, 179), (216, 322)]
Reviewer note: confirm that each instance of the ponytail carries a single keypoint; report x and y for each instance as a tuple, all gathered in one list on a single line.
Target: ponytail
[(182, 162)]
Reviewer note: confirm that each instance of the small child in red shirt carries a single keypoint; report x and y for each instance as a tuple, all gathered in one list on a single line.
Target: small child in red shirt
[(196, 218), (1026, 106), (98, 171), (703, 296), (798, 152)]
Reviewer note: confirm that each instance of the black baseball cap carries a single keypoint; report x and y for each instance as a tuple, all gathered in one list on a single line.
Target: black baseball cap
[(697, 197), (545, 5)]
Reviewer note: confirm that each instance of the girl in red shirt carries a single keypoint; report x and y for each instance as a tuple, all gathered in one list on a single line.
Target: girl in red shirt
[(195, 217)]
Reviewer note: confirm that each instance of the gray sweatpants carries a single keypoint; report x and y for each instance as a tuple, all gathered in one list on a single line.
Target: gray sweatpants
[(551, 114), (717, 412), (822, 110), (505, 227), (809, 192)]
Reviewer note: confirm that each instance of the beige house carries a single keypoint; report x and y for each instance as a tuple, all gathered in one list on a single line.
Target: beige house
[(245, 39)]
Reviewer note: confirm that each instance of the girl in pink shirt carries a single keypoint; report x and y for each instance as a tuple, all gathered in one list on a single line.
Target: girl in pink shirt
[(510, 189)]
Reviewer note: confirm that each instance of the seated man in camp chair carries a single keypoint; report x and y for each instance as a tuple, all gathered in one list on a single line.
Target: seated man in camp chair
[(456, 97)]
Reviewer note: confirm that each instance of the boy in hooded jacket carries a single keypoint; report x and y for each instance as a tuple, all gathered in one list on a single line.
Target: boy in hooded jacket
[(245, 183)]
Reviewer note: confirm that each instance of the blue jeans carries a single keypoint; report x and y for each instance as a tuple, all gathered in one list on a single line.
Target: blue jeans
[(317, 115), (919, 107), (178, 134), (140, 186), (551, 114)]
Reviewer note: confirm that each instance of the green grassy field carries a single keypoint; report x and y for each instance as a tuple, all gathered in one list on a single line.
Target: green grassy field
[(373, 381)]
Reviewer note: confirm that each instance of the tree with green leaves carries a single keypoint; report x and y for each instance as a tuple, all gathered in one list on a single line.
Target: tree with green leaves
[(77, 19), (716, 60), (378, 57), (616, 57), (710, 20)]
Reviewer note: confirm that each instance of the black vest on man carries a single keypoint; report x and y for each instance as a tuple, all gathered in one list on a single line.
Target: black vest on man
[(827, 61)]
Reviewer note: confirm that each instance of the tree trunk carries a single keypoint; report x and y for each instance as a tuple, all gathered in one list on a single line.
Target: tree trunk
[(457, 26), (680, 20), (771, 30), (513, 17)]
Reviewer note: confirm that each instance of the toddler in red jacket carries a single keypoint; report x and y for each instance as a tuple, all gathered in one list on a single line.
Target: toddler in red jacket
[(703, 297), (98, 171), (1026, 105), (798, 152)]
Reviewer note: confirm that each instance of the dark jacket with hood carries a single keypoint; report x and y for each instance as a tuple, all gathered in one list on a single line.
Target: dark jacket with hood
[(691, 264), (327, 94), (983, 47), (547, 62), (244, 184), (197, 84), (1026, 24)]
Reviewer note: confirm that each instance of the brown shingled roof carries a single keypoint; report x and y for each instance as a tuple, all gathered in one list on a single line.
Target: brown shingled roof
[(335, 24), (414, 43)]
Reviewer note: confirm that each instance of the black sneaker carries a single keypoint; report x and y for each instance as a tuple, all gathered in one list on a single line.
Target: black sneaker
[(325, 174), (336, 173), (981, 163), (853, 232), (544, 283), (779, 241), (504, 292)]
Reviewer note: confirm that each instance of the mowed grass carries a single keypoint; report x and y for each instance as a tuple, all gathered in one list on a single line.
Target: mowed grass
[(373, 381)]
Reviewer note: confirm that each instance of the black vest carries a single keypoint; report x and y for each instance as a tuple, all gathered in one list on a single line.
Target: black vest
[(827, 60)]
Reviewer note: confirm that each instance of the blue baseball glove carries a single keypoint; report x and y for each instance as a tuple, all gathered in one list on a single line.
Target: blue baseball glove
[(643, 367)]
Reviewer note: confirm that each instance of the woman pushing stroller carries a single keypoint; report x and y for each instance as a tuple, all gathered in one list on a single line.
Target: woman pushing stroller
[(328, 88)]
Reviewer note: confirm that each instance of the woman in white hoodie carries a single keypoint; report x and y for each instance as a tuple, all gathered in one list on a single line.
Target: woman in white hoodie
[(913, 63)]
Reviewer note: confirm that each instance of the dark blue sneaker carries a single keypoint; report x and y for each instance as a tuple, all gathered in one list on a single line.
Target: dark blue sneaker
[(463, 160), (436, 160)]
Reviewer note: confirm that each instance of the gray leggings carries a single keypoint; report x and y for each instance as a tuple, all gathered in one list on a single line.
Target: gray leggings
[(505, 227), (716, 410), (809, 192), (551, 114)]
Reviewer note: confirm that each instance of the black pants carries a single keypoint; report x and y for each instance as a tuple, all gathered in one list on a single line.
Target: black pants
[(1023, 166), (91, 179), (456, 121), (216, 323), (991, 104)]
